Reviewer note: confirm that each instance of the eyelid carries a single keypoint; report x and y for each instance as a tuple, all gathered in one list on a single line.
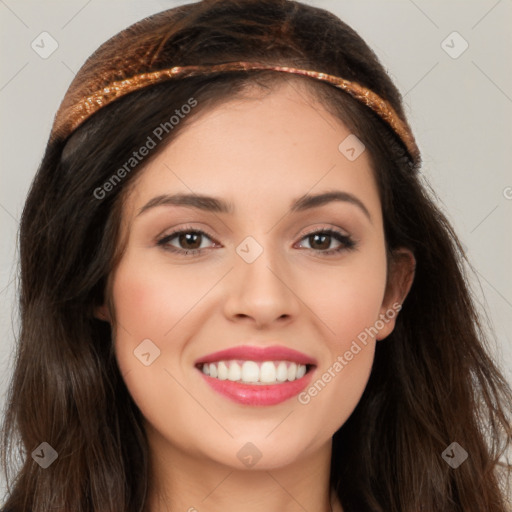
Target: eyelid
[(323, 228)]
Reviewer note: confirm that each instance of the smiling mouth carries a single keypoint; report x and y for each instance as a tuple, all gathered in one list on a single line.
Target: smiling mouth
[(255, 372)]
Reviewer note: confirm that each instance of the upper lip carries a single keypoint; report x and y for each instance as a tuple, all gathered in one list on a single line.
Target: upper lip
[(256, 353)]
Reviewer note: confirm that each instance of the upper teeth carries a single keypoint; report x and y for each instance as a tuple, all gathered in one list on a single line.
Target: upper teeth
[(266, 372)]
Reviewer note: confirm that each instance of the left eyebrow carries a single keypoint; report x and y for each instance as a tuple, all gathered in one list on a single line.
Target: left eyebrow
[(214, 204), (307, 202)]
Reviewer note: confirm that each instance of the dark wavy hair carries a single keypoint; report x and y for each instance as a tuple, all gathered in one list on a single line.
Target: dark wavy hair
[(433, 381)]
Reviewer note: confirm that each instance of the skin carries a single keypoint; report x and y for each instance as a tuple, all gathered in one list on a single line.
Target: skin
[(260, 153)]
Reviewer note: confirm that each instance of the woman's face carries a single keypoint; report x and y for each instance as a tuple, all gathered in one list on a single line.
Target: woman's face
[(263, 277)]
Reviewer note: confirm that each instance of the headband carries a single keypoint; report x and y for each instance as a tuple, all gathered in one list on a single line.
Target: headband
[(70, 117)]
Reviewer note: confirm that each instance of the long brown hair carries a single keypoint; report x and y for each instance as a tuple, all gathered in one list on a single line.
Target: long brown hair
[(432, 382)]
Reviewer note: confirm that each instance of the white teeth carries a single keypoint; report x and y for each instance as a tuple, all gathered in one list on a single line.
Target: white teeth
[(222, 371), (282, 372), (292, 371), (234, 372), (267, 372), (252, 372)]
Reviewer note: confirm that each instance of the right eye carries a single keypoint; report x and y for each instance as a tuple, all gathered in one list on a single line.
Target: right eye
[(189, 239)]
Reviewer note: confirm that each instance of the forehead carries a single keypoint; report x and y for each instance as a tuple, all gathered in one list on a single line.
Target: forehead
[(268, 143)]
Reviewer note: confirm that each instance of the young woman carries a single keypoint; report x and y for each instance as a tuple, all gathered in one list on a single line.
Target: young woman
[(236, 293)]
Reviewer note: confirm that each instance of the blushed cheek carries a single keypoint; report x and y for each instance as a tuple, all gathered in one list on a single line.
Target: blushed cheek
[(338, 386), (148, 302), (352, 379), (143, 315), (351, 305), (137, 298), (152, 303), (134, 300), (358, 305)]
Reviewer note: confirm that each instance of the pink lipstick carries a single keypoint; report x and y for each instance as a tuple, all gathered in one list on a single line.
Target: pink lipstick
[(271, 375)]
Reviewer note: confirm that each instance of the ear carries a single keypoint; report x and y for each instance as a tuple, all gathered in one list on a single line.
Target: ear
[(400, 278), (101, 313)]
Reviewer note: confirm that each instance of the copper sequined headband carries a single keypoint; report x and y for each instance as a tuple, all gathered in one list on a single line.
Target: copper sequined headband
[(70, 117)]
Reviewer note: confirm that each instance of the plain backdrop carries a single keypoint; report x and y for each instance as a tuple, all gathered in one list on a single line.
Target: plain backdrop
[(458, 101)]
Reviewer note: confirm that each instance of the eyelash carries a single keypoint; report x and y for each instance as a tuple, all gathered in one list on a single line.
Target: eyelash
[(347, 243)]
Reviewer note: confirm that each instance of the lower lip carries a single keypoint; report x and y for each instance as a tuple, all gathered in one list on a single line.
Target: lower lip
[(249, 394)]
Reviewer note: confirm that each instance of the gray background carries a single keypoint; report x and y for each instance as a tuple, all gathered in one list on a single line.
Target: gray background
[(460, 110)]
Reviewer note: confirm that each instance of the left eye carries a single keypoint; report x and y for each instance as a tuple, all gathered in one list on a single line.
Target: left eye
[(323, 239)]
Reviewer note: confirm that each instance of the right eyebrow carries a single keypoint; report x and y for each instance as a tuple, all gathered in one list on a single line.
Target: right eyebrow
[(201, 202)]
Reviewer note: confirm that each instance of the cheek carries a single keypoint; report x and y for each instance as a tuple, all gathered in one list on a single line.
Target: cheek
[(348, 298), (156, 307), (147, 307), (151, 299), (347, 301)]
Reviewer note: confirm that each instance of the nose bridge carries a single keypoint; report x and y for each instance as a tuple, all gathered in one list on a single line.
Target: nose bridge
[(259, 286)]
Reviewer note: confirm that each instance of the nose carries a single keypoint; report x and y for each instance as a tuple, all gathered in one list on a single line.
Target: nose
[(261, 292)]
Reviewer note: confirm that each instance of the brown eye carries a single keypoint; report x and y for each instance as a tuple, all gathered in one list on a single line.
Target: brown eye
[(320, 241), (189, 240), (186, 241)]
